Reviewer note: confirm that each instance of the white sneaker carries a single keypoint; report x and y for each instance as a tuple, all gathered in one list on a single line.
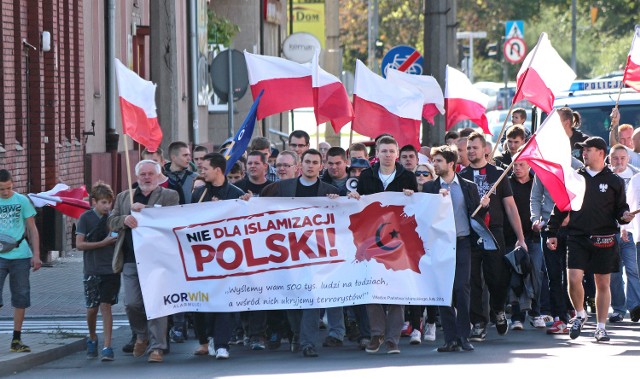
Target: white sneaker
[(517, 325), (430, 332), (415, 337), (538, 322), (222, 353), (211, 347)]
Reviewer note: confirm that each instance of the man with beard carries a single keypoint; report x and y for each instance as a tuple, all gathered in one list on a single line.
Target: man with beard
[(152, 333)]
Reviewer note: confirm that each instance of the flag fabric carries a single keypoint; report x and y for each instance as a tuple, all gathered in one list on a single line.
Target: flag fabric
[(286, 84), (380, 106), (243, 136), (138, 107), (543, 75), (330, 100), (66, 200), (632, 71), (548, 152), (433, 97), (463, 101)]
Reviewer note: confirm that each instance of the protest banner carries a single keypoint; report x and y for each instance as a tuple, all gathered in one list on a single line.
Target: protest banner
[(287, 253)]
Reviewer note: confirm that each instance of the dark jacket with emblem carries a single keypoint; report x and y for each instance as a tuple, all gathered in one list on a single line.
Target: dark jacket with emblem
[(605, 202), (287, 188), (369, 181), (227, 192)]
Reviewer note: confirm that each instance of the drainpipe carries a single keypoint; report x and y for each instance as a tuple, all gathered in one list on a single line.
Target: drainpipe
[(112, 136), (193, 70)]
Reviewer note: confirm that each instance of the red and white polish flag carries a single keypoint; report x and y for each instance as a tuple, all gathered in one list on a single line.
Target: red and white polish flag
[(380, 106), (463, 101), (330, 100), (138, 107), (632, 71), (68, 201), (543, 75), (286, 84), (428, 85), (548, 152)]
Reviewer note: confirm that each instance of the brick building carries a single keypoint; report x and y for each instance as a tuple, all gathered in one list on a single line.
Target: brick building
[(61, 119)]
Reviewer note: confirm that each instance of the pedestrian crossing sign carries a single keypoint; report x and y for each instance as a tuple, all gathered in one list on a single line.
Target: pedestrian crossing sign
[(514, 28)]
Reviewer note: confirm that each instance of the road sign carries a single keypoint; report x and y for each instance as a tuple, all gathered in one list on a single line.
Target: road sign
[(402, 58), (220, 75), (515, 50), (514, 28)]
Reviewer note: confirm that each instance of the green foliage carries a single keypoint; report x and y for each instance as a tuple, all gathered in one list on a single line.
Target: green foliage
[(602, 46), (220, 31), (400, 23)]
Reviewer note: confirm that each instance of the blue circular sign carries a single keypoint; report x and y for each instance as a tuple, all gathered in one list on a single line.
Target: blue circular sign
[(398, 56)]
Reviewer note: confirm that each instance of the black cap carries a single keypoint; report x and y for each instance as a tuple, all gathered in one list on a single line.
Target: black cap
[(359, 163), (596, 142)]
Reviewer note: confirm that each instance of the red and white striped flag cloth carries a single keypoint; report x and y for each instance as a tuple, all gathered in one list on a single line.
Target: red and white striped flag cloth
[(330, 100), (548, 152), (463, 101), (380, 106), (428, 85), (68, 201), (138, 107), (286, 84), (543, 75), (632, 72)]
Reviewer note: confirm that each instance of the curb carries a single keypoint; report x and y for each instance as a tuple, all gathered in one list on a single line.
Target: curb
[(30, 360)]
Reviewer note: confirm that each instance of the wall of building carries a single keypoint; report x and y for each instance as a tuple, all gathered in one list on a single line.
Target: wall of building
[(42, 97), (247, 14)]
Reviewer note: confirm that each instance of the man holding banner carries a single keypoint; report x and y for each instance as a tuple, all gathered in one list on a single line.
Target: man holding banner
[(152, 333), (386, 175), (304, 323), (216, 188)]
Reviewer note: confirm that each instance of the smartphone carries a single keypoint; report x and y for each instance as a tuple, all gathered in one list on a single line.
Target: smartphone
[(114, 234)]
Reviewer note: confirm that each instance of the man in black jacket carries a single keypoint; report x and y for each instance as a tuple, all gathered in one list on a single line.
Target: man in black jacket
[(465, 200), (591, 241), (385, 175), (217, 187), (304, 323)]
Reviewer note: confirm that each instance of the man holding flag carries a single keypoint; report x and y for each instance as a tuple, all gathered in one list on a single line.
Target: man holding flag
[(592, 228)]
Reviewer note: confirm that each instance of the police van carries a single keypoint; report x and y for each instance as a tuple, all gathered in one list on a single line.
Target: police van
[(594, 100)]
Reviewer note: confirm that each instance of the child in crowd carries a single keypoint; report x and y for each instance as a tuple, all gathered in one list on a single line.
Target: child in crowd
[(101, 284)]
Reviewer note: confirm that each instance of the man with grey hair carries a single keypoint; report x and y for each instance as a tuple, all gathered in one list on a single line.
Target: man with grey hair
[(150, 334)]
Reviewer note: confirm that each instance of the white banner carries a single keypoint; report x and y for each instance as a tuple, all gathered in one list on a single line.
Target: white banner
[(286, 253)]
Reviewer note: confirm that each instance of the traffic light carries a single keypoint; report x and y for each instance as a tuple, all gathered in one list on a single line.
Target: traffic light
[(379, 48), (492, 50)]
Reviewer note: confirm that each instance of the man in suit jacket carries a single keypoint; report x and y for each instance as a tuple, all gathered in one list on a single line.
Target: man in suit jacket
[(465, 200), (152, 333), (305, 323)]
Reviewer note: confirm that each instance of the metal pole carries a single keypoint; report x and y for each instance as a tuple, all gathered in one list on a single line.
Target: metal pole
[(230, 95), (573, 35), (370, 41), (193, 70), (470, 57), (111, 69)]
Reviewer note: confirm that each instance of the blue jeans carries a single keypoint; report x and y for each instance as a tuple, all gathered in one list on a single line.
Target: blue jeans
[(335, 319), (18, 271), (628, 259)]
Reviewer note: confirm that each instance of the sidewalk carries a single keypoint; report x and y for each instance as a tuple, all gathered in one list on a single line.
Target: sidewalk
[(55, 323)]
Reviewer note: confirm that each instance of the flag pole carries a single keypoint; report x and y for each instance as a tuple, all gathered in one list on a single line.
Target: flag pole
[(126, 157), (513, 160), (515, 96)]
